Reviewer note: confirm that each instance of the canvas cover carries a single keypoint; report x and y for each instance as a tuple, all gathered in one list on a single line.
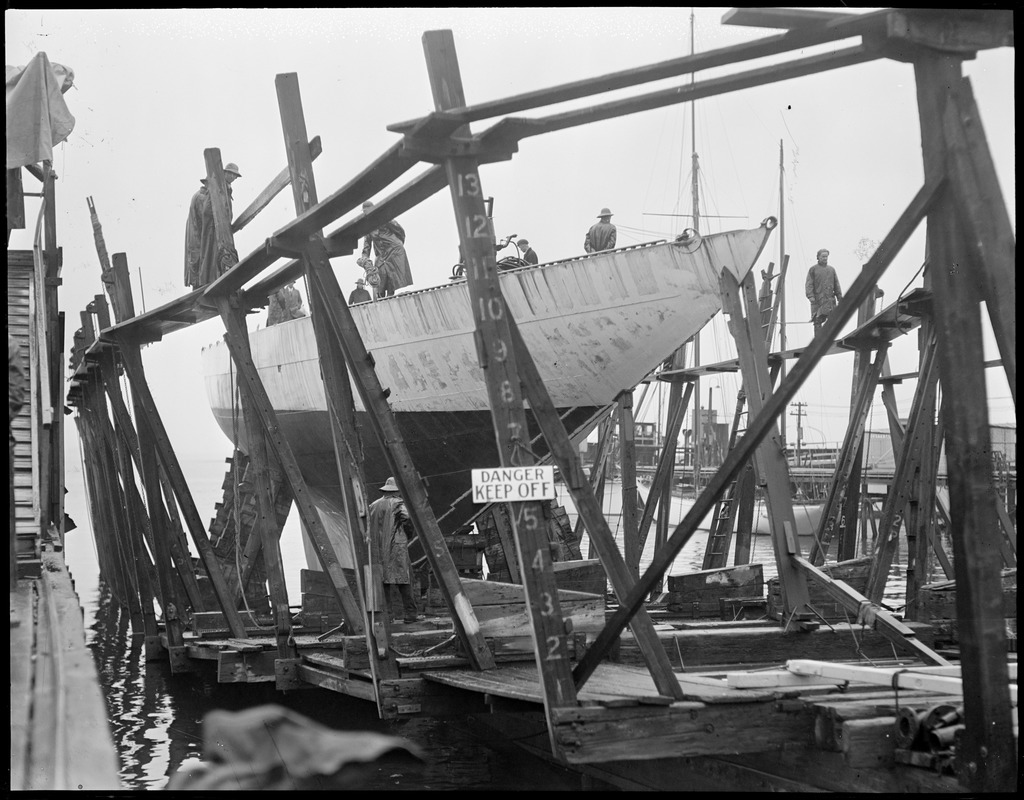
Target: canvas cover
[(37, 116)]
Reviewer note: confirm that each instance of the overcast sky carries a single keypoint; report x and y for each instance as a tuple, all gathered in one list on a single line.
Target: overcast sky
[(153, 88)]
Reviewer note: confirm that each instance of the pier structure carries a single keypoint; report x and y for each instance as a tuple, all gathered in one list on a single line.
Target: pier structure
[(577, 702), (60, 735)]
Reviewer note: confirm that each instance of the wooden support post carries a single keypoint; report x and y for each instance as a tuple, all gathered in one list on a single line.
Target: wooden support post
[(500, 516), (760, 426), (338, 389), (237, 339), (769, 462), (849, 456), (176, 586), (746, 492), (852, 504), (597, 473), (567, 458), (145, 408), (921, 504), (981, 206), (134, 538), (627, 478), (723, 520), (259, 468), (501, 375), (987, 752), (661, 485), (871, 614), (903, 480), (128, 566), (381, 418)]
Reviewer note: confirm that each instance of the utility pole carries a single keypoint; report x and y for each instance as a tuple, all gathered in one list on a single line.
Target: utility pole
[(799, 414)]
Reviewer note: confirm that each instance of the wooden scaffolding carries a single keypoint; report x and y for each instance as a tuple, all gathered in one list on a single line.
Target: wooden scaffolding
[(967, 225)]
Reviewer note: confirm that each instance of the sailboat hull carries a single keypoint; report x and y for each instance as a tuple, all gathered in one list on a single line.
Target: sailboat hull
[(596, 326)]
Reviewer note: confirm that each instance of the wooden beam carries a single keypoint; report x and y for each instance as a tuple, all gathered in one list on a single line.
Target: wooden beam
[(849, 457), (759, 427), (868, 613), (145, 406), (337, 388), (498, 361), (627, 477), (987, 752), (274, 188), (903, 482), (448, 119), (981, 206), (566, 456), (782, 17), (259, 469)]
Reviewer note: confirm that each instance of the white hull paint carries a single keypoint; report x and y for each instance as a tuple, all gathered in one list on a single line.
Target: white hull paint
[(596, 325)]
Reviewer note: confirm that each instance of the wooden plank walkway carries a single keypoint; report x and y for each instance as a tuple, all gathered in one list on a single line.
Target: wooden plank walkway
[(60, 733)]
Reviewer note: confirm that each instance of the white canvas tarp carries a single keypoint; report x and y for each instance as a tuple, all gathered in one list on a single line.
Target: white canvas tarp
[(37, 116)]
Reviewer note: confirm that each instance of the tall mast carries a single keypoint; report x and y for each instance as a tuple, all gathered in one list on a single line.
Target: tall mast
[(782, 287), (695, 166)]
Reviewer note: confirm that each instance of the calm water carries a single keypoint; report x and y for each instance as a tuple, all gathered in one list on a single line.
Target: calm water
[(156, 718)]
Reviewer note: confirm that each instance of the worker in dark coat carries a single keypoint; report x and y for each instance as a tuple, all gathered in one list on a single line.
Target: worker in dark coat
[(529, 254), (285, 304), (601, 235), (822, 289), (388, 528), (388, 242), (359, 294), (203, 264)]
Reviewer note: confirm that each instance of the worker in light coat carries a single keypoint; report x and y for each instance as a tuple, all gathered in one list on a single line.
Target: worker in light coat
[(388, 529), (822, 289)]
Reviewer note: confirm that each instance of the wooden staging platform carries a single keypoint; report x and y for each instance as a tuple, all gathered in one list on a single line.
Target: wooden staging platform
[(741, 725)]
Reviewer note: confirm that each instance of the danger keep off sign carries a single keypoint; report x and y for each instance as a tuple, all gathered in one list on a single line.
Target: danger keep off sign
[(513, 484)]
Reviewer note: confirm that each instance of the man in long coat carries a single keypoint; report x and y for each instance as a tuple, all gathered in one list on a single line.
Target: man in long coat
[(601, 235), (388, 529), (388, 242), (285, 304), (203, 264), (822, 289)]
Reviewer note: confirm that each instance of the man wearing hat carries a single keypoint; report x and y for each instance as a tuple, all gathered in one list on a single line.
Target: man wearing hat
[(822, 289), (388, 242), (529, 255), (388, 529), (203, 264), (601, 235), (359, 294), (285, 304)]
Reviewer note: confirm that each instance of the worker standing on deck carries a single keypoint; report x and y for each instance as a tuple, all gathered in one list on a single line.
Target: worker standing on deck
[(392, 263), (203, 264), (388, 529), (822, 289), (285, 304), (529, 254), (601, 235), (359, 294)]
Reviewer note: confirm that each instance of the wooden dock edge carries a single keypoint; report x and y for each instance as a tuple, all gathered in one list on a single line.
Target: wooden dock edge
[(60, 730)]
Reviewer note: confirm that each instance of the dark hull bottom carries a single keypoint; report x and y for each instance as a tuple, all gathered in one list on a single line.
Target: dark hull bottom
[(444, 447)]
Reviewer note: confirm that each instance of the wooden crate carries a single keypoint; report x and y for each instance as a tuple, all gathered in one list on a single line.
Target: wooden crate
[(853, 572), (697, 595)]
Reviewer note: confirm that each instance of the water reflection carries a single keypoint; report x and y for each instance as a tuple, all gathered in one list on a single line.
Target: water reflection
[(156, 721)]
